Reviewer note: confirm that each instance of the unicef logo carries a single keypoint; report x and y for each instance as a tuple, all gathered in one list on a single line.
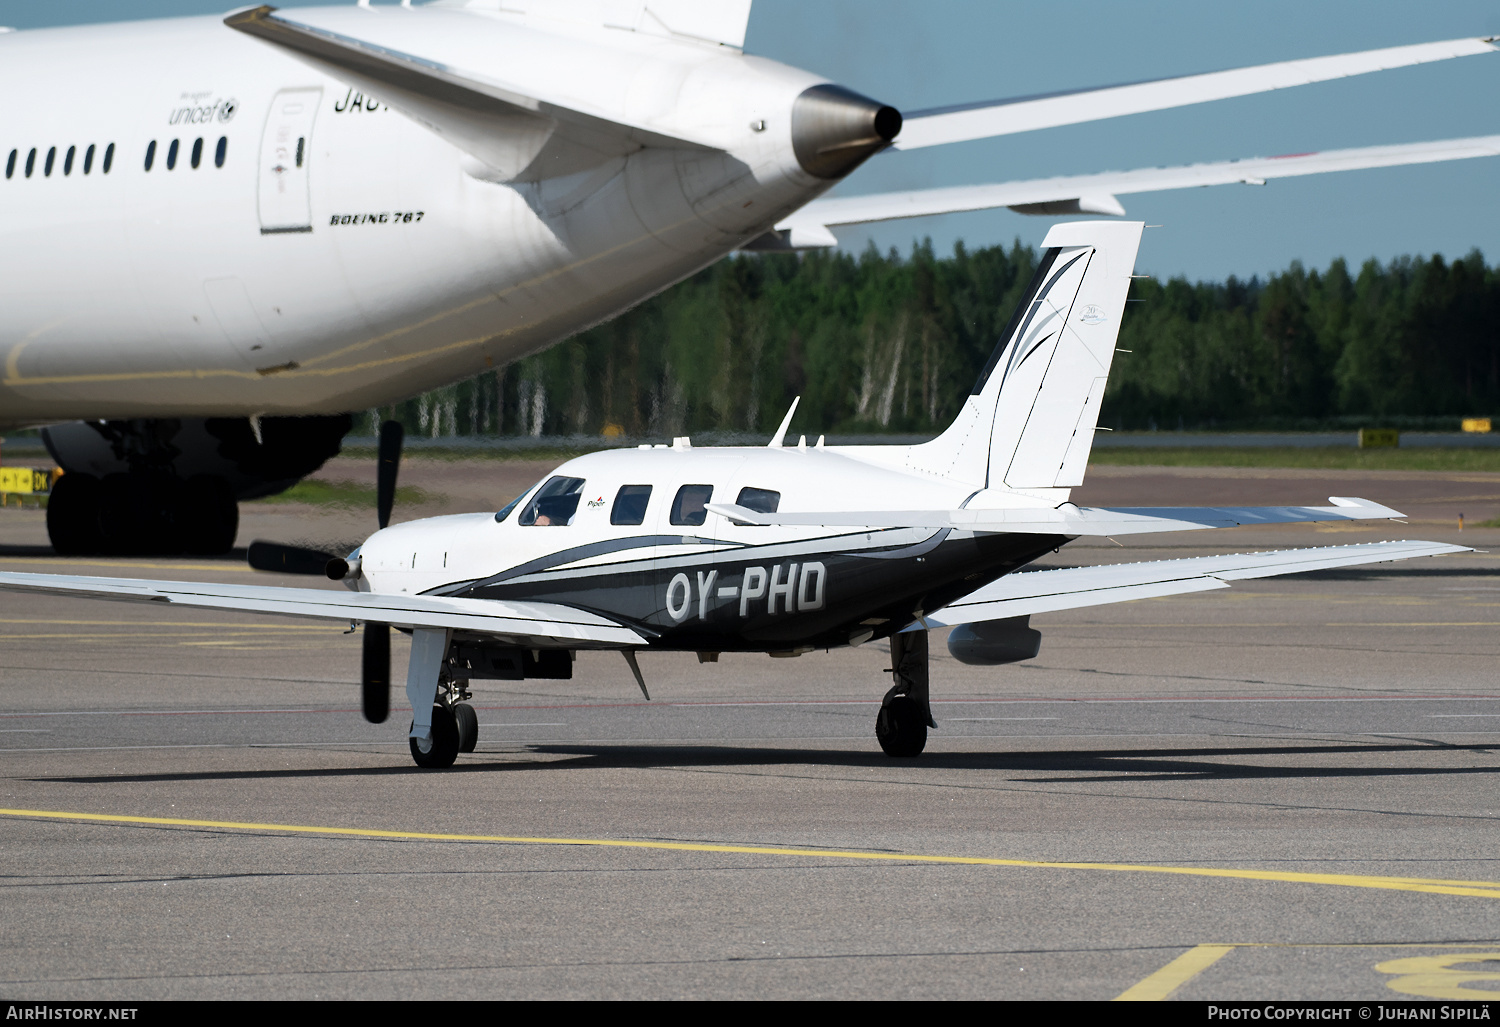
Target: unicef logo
[(1093, 314), (227, 109)]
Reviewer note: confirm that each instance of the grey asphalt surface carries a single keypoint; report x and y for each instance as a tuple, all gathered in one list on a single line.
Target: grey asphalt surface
[(1343, 723)]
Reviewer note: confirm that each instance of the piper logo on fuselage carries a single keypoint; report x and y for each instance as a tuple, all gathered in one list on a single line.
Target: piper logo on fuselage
[(786, 588)]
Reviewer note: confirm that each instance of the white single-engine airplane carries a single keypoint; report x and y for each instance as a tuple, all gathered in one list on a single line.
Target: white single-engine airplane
[(212, 226), (780, 549)]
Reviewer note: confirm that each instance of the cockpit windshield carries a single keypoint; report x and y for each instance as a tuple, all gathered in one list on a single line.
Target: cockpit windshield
[(554, 504)]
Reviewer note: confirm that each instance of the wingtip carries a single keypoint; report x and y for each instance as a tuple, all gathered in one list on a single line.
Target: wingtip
[(248, 15)]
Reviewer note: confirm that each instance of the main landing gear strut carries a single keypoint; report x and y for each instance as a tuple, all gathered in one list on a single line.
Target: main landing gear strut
[(901, 727), (451, 726)]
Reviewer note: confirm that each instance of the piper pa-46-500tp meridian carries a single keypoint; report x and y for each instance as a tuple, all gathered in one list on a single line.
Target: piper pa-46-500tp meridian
[(780, 549), (216, 224)]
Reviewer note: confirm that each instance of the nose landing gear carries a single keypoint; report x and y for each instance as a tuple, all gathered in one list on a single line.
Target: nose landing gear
[(905, 715)]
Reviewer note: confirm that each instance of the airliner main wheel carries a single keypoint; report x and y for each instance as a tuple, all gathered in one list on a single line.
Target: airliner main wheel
[(901, 727), (443, 747), (468, 726), (73, 516)]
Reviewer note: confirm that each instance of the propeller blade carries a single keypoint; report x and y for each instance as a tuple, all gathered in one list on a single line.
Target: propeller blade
[(391, 434), (377, 673), (273, 556)]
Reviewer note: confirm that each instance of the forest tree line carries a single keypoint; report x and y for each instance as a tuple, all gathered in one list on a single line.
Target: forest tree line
[(891, 343)]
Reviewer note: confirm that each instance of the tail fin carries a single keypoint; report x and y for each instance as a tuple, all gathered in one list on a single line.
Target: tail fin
[(1030, 420)]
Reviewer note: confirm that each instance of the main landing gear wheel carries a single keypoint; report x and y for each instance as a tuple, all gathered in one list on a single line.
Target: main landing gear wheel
[(442, 748), (901, 727), (468, 726)]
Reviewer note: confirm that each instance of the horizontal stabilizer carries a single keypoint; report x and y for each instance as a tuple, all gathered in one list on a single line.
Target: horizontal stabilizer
[(431, 64), (1029, 592), (1072, 520), (519, 623), (809, 227), (1024, 114)]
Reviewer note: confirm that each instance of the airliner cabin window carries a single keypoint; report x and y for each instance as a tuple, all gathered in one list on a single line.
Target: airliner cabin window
[(220, 150), (197, 152), (31, 162), (109, 158), (172, 156), (301, 146), (150, 154), (51, 159), (759, 500), (554, 504), (68, 160), (690, 506), (10, 164), (88, 159), (630, 504)]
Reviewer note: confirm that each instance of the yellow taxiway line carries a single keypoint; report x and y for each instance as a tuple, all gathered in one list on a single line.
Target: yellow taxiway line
[(1476, 889)]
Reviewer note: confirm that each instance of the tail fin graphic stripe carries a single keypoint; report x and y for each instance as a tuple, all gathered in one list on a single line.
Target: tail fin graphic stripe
[(1031, 426)]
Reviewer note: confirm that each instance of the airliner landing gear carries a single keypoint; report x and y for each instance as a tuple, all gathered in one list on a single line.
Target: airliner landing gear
[(901, 726)]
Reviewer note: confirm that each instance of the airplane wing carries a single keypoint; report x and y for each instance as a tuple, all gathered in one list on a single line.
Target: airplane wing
[(1024, 114), (415, 61), (520, 623), (1072, 520), (1029, 592), (810, 226)]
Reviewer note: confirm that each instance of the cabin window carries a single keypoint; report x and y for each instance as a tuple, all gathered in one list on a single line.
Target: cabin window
[(150, 154), (88, 159), (301, 148), (197, 152), (68, 160), (220, 150), (759, 500), (630, 504), (172, 156), (51, 159), (10, 165), (31, 162), (554, 504), (690, 506), (109, 158)]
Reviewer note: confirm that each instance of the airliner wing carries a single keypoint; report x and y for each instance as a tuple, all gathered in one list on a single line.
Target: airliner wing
[(519, 623), (408, 59), (1072, 520), (1029, 592), (810, 226), (1024, 114)]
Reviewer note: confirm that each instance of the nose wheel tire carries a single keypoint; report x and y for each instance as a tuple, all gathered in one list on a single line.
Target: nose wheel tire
[(468, 726), (901, 727), (442, 748)]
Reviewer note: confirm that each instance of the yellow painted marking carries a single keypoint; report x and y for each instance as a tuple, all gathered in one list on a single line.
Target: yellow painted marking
[(1434, 976), (1477, 889), (1175, 974), (1190, 964)]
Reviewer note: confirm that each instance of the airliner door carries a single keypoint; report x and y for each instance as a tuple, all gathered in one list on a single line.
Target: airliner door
[(285, 155)]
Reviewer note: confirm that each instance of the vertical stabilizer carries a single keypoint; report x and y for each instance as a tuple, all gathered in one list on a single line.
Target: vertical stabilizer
[(1029, 423)]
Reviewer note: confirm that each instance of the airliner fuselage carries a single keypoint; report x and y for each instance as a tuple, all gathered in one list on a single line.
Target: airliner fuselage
[(197, 223)]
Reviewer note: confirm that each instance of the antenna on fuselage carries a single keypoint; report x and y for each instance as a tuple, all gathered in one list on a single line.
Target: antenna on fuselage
[(786, 422)]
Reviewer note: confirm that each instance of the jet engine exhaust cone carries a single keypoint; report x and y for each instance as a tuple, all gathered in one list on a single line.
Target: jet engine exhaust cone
[(835, 129)]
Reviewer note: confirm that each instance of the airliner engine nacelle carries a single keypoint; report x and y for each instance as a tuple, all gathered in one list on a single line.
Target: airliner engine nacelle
[(991, 643)]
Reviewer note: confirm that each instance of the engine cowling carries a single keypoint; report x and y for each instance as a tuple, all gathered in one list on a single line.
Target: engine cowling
[(994, 642)]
